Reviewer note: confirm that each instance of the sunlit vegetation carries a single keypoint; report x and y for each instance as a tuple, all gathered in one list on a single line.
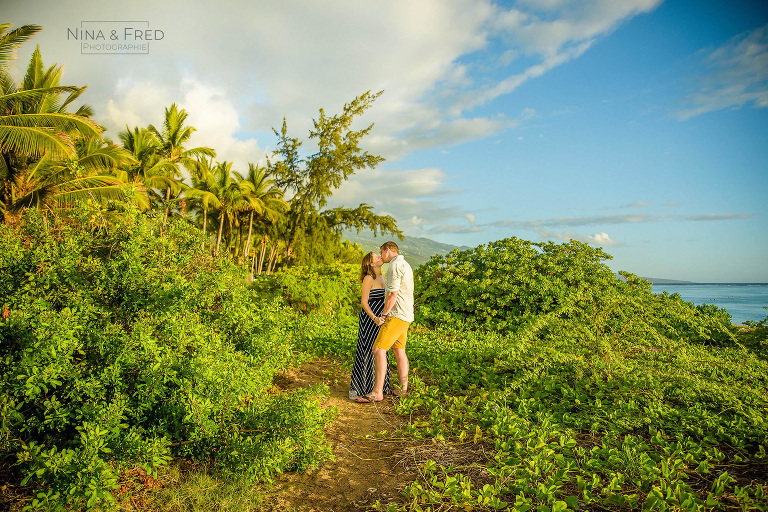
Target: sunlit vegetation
[(560, 387), (150, 294), (262, 216)]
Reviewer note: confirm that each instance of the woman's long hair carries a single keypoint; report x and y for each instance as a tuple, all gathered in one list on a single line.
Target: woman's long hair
[(367, 267)]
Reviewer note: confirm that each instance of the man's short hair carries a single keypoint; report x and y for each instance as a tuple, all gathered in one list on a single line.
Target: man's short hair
[(391, 246)]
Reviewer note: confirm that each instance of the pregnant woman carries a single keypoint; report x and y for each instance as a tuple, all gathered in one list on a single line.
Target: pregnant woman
[(372, 304)]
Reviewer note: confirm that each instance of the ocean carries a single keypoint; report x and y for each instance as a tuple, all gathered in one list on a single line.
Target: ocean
[(742, 300)]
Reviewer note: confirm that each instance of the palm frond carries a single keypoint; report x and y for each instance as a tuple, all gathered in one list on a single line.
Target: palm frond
[(72, 97), (18, 96), (11, 41), (206, 198), (84, 110), (66, 193), (100, 194), (35, 199), (199, 153), (160, 182), (96, 157), (35, 141), (7, 84), (61, 121)]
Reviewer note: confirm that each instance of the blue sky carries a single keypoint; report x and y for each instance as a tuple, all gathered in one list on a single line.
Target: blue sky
[(639, 126)]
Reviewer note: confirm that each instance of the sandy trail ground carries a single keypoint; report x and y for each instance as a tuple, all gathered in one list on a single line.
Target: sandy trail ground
[(366, 468)]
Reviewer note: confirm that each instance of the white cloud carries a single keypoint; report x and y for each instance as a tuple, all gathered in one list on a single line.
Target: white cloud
[(259, 61), (412, 196), (631, 218), (599, 239), (720, 216), (555, 32), (636, 204), (239, 66), (455, 229), (210, 112), (546, 28), (737, 76)]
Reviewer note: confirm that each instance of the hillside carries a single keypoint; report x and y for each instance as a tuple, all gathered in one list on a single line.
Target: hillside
[(656, 280), (417, 250)]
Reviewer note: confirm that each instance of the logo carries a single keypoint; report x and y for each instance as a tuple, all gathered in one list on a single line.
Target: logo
[(116, 37)]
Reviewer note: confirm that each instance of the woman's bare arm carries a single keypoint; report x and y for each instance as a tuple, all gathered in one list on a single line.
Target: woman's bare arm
[(367, 285)]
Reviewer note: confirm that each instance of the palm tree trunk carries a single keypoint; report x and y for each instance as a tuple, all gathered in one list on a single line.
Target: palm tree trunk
[(262, 253), (218, 239), (233, 250), (238, 241), (205, 225), (167, 208), (272, 254), (250, 230), (273, 258)]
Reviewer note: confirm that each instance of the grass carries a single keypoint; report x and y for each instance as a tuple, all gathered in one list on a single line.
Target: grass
[(181, 488)]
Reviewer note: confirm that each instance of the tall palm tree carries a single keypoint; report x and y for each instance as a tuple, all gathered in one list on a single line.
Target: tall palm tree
[(172, 139), (150, 170), (144, 147), (57, 183), (264, 198), (35, 127), (202, 193), (230, 193), (33, 117)]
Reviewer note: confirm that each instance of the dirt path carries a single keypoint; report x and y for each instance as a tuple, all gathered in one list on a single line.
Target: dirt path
[(365, 469)]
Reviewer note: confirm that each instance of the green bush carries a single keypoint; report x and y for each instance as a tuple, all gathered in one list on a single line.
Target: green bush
[(674, 425), (756, 335), (328, 289), (567, 388), (524, 288), (123, 348)]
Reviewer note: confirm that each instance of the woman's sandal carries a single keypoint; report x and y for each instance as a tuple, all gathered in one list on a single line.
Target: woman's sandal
[(357, 398)]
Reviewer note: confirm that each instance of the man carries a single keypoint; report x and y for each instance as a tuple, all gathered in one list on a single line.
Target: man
[(394, 320)]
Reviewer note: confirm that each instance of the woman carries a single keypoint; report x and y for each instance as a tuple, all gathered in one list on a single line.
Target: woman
[(372, 304)]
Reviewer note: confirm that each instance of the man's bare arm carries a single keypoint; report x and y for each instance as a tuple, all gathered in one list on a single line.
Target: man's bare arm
[(389, 303)]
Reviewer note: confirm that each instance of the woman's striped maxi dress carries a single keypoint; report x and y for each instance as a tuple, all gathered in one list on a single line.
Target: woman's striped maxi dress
[(363, 374)]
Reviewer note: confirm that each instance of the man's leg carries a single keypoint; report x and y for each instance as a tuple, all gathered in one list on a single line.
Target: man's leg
[(402, 368), (380, 365), (389, 335)]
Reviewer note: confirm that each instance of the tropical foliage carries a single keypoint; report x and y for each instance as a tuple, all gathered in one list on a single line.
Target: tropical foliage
[(547, 383), (311, 180), (133, 333), (38, 136), (121, 349), (262, 216)]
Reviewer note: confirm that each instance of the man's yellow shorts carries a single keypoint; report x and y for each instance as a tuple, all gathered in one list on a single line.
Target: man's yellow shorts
[(393, 334)]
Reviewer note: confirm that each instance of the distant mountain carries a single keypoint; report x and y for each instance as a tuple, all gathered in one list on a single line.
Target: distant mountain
[(656, 280), (416, 250)]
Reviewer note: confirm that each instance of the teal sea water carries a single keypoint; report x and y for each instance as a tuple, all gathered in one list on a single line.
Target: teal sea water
[(743, 301)]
